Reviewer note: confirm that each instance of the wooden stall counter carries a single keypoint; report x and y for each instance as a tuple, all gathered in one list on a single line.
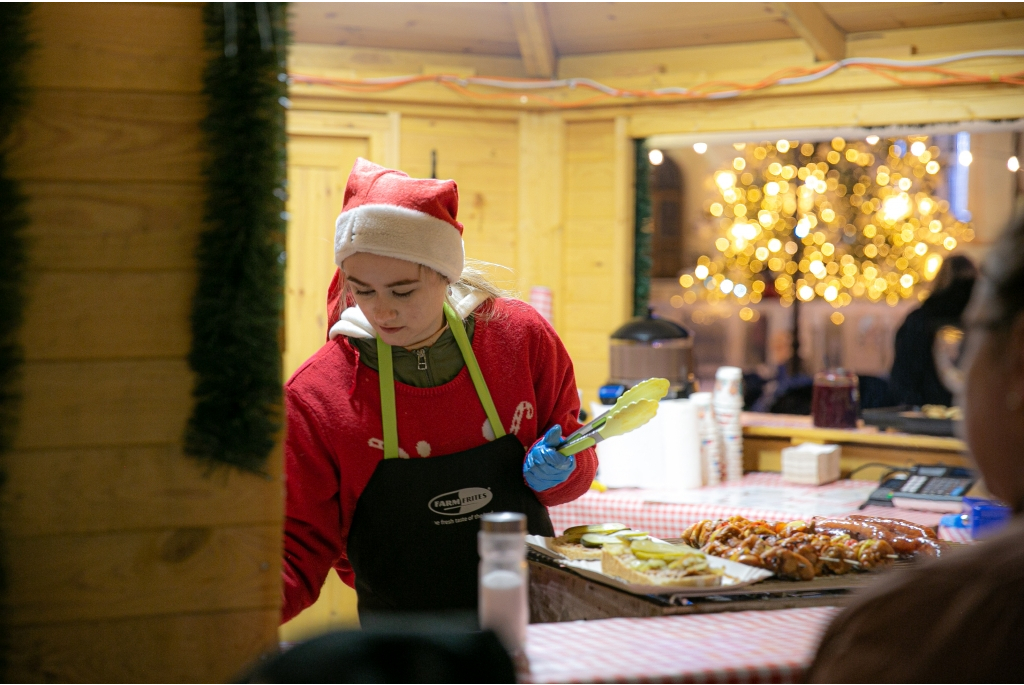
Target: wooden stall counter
[(765, 435), (557, 594)]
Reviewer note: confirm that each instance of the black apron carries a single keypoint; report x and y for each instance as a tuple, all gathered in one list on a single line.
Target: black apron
[(413, 538)]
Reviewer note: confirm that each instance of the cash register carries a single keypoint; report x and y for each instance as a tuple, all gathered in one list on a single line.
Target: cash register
[(933, 487)]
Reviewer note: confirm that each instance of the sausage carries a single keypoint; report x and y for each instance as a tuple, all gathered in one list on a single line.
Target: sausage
[(860, 530), (929, 548), (898, 527)]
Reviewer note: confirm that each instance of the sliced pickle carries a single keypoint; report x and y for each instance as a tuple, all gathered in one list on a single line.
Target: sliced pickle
[(631, 534), (656, 563), (596, 540), (576, 532), (691, 564), (615, 549), (649, 549)]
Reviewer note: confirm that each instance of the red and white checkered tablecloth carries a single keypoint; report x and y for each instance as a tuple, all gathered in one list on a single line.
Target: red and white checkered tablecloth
[(699, 648), (629, 507)]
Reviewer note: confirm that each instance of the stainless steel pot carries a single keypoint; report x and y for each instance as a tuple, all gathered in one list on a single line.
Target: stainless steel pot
[(649, 347)]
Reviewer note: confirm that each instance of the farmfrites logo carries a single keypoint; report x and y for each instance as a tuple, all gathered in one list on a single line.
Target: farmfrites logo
[(459, 502)]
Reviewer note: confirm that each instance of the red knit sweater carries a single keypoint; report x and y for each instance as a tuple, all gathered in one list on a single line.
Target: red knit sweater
[(335, 433)]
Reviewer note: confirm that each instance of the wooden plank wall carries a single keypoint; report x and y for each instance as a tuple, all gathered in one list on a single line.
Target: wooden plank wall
[(482, 156), (126, 561), (595, 245)]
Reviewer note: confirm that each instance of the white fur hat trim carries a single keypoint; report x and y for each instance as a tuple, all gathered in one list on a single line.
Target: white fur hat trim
[(393, 231)]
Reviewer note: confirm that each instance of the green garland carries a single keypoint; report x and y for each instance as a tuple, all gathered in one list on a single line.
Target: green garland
[(642, 236), (15, 47), (237, 310)]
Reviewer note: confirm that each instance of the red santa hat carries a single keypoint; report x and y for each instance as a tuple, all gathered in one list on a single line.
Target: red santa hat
[(390, 214)]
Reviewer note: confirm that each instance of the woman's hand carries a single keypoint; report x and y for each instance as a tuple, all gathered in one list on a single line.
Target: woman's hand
[(544, 467)]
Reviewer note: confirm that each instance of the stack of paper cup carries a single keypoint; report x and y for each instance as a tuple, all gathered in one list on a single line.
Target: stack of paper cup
[(728, 403), (709, 449)]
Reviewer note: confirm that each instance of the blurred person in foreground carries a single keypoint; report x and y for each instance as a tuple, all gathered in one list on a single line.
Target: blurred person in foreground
[(959, 618), (913, 379)]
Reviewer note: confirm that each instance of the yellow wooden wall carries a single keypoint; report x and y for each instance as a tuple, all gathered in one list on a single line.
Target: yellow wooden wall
[(125, 560)]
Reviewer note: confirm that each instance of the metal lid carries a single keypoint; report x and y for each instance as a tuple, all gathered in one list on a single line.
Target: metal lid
[(650, 328), (503, 522)]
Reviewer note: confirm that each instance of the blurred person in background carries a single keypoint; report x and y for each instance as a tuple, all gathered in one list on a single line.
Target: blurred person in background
[(959, 618), (913, 379), (790, 391)]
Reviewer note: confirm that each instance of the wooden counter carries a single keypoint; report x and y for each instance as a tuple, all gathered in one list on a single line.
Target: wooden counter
[(558, 594), (764, 436)]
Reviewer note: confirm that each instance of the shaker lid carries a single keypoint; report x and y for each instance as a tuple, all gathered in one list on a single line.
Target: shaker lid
[(650, 328), (503, 522), (729, 373)]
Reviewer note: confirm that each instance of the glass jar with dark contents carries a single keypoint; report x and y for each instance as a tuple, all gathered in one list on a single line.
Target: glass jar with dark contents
[(836, 399)]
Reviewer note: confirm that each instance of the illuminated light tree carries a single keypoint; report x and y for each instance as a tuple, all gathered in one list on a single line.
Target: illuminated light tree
[(832, 220)]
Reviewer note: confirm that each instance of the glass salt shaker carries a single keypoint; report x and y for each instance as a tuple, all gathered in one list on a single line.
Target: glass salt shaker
[(504, 604)]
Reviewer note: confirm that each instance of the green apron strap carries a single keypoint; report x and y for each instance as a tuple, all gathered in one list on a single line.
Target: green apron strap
[(459, 331), (387, 399), (385, 363)]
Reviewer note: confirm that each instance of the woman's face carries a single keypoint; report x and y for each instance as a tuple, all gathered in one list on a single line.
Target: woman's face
[(402, 300), (993, 419)]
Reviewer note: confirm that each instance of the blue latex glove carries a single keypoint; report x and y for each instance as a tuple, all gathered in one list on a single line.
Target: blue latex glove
[(544, 467)]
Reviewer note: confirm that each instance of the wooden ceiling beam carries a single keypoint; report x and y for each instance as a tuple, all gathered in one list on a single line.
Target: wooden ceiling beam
[(812, 24), (533, 32)]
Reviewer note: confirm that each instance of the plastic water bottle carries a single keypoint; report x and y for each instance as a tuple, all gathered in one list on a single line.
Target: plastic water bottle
[(504, 596)]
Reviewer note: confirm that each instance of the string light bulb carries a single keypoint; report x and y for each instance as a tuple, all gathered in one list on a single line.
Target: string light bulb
[(857, 221), (700, 148), (1013, 164), (656, 157)]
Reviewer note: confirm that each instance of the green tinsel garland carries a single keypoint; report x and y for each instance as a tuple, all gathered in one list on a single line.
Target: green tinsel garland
[(642, 235), (15, 46), (236, 313)]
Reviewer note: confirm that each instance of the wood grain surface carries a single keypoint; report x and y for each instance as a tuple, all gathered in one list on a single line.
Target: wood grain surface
[(154, 47), (75, 135), (190, 569), (104, 489), (119, 226), (126, 561), (180, 648), (108, 315), (104, 403)]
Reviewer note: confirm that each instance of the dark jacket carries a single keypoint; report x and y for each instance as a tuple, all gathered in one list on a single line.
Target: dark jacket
[(913, 379)]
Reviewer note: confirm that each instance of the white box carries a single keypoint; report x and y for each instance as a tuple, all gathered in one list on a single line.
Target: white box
[(662, 454), (811, 464)]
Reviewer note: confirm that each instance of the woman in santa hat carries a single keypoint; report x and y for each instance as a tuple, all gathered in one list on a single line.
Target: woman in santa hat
[(434, 401)]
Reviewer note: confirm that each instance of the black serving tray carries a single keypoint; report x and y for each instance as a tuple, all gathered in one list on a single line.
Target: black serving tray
[(908, 420)]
